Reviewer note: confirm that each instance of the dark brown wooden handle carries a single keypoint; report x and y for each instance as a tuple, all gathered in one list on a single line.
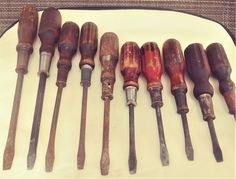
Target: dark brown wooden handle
[(198, 69), (28, 24), (49, 29), (68, 43), (88, 44)]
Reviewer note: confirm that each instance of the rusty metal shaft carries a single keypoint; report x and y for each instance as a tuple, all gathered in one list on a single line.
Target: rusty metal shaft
[(105, 160), (10, 145), (50, 155)]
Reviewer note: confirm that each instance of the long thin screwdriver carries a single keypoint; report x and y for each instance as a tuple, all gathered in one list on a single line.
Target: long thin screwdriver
[(88, 48), (27, 29), (152, 70), (109, 54), (49, 31), (67, 47), (175, 67)]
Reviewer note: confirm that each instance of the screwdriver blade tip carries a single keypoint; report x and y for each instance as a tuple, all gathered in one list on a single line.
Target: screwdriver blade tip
[(30, 161), (132, 164), (7, 159), (164, 155), (49, 161), (104, 163), (189, 152), (80, 163), (218, 154)]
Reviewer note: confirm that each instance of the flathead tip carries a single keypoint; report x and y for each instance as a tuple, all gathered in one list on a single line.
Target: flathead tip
[(7, 159), (49, 161), (132, 164), (164, 155), (189, 153), (218, 154), (104, 163), (30, 161)]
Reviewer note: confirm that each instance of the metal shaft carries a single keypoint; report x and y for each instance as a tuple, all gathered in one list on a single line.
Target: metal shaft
[(215, 144), (188, 143), (105, 160), (36, 122), (10, 145), (81, 150), (50, 155), (163, 149), (132, 150)]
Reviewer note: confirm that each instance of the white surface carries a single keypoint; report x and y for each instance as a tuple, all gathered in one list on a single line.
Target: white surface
[(130, 25)]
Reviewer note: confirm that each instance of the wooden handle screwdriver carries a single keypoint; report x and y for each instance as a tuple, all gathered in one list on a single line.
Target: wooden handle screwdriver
[(130, 65), (67, 47), (199, 72), (27, 29), (109, 54), (221, 69), (152, 70), (49, 30), (88, 48), (175, 67)]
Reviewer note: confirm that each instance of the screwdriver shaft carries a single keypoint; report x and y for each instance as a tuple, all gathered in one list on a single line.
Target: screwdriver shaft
[(163, 149), (36, 122), (105, 160), (132, 150), (215, 144), (188, 142), (50, 155), (10, 145), (81, 150)]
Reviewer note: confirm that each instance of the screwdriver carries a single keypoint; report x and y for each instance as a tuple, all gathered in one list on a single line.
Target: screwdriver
[(49, 30), (27, 29), (130, 65), (175, 67), (221, 69), (108, 54), (88, 48), (67, 47), (199, 72), (152, 70)]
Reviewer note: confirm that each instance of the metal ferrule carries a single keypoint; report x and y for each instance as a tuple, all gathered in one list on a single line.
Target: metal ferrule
[(86, 71), (206, 105), (156, 96), (131, 95), (45, 63)]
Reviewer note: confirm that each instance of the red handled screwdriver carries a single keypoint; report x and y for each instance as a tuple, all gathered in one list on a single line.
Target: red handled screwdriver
[(221, 69), (130, 65), (152, 70), (199, 72), (175, 68), (67, 47)]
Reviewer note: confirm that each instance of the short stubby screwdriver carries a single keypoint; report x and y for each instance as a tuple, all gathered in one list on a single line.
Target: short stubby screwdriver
[(88, 48), (152, 70), (175, 68), (130, 65), (221, 69), (67, 47), (199, 72), (108, 54), (27, 30), (49, 30)]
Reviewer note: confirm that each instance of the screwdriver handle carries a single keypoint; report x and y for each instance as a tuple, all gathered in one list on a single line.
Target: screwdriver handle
[(27, 29), (67, 46), (221, 69), (49, 29), (109, 54), (88, 44), (130, 64), (198, 69), (174, 64), (151, 64)]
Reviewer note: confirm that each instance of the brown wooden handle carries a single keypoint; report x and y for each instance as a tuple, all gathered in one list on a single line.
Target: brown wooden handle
[(49, 29), (88, 44), (68, 43)]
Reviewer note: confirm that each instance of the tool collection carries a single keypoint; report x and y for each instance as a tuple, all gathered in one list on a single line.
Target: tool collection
[(198, 62)]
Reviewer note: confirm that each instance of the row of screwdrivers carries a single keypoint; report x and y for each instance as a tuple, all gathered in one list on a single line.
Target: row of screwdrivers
[(133, 60)]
